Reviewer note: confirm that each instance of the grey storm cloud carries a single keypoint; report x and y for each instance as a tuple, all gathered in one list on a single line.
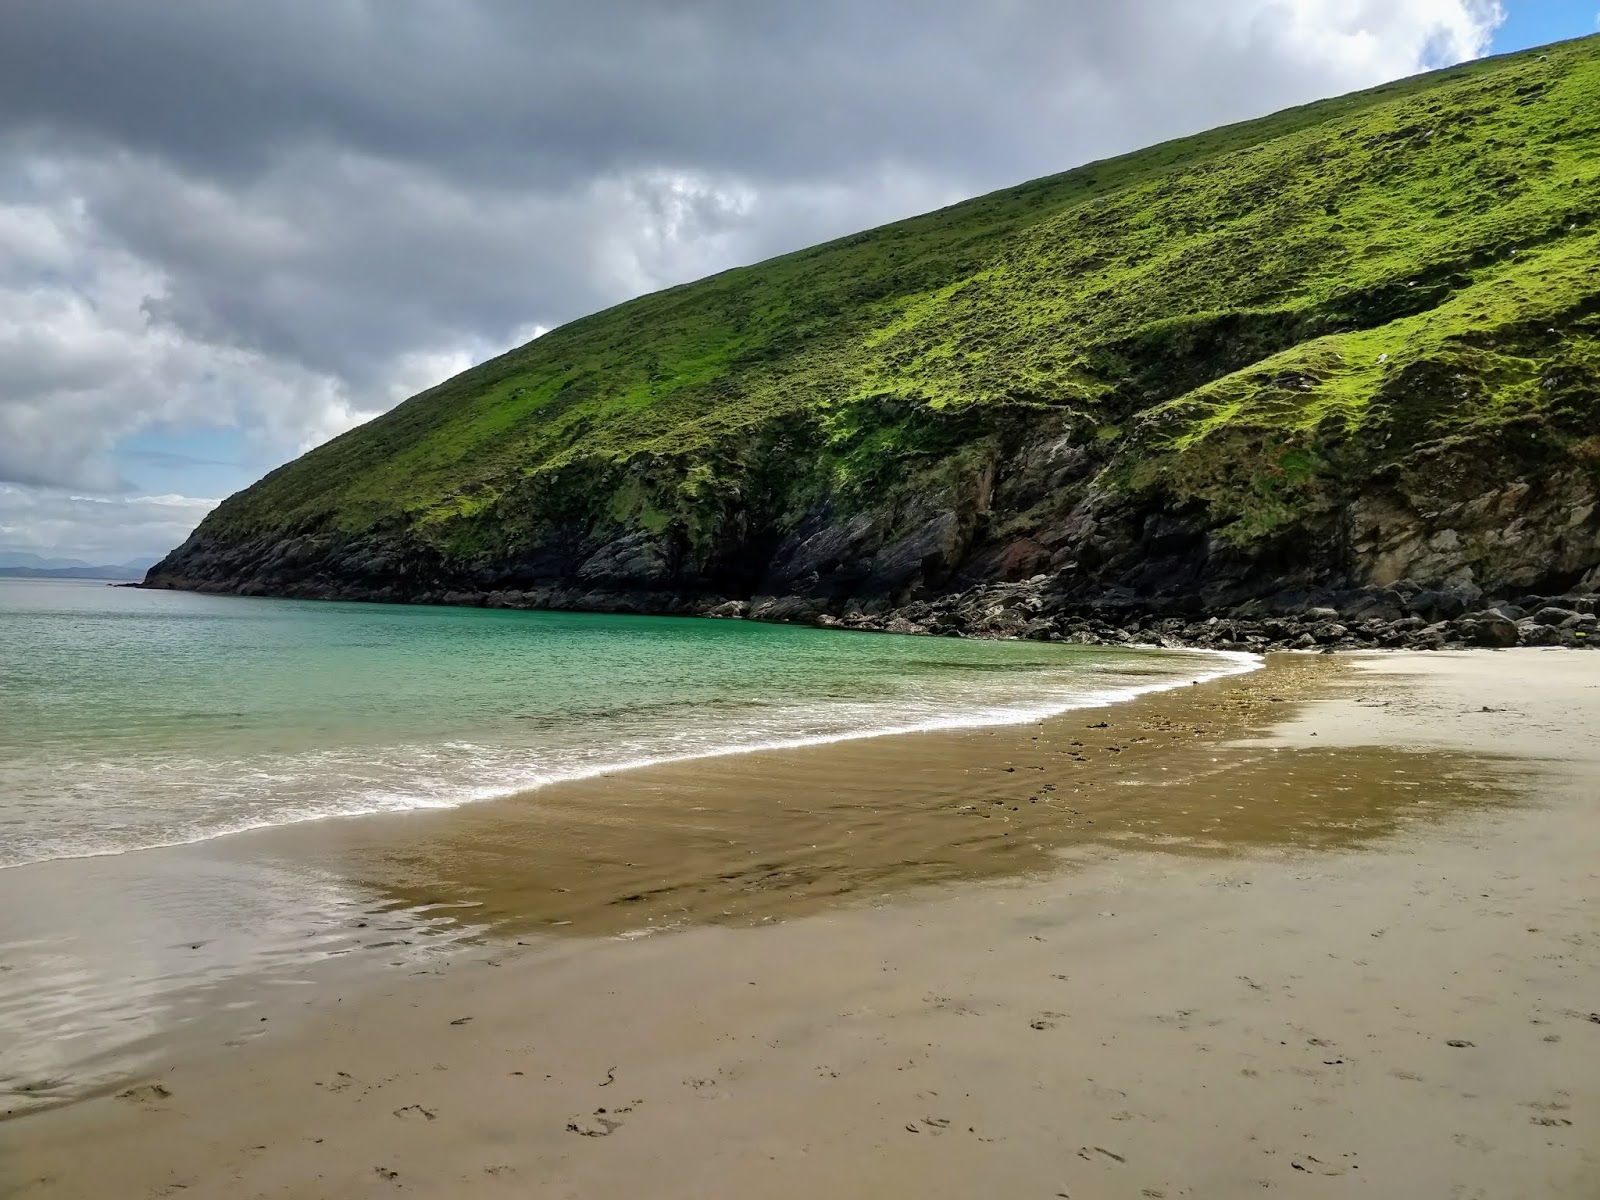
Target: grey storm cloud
[(508, 92), (283, 217)]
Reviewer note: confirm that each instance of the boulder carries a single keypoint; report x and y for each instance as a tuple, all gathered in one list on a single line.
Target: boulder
[(795, 609), (901, 625), (1553, 616), (1489, 628), (1437, 606), (1531, 633), (1376, 608)]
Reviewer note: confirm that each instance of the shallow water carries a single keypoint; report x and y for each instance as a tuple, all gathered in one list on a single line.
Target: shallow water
[(138, 719)]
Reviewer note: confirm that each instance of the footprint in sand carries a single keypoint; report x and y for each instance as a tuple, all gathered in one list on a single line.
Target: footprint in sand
[(594, 1127), (603, 1123), (149, 1093)]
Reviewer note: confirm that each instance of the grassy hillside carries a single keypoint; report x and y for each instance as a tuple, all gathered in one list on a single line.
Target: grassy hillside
[(1255, 320)]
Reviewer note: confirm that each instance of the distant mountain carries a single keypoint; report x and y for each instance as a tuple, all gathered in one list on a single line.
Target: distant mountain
[(15, 564), (22, 558)]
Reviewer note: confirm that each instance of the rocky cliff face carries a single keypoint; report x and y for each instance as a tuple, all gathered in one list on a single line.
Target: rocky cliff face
[(1026, 539)]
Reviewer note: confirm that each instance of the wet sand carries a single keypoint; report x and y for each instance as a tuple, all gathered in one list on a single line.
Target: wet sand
[(1228, 942), (750, 837)]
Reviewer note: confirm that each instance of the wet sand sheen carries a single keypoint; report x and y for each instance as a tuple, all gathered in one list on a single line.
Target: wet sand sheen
[(1329, 988), (776, 833), (734, 840)]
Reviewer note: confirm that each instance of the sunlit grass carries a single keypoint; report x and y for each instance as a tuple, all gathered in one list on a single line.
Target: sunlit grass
[(1253, 319)]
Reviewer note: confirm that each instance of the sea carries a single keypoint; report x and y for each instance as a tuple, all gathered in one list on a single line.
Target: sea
[(133, 721)]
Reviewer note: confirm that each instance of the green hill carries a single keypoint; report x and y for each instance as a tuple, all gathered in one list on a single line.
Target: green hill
[(1348, 344)]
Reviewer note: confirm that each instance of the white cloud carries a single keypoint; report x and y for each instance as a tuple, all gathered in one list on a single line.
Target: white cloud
[(1377, 39), (98, 529)]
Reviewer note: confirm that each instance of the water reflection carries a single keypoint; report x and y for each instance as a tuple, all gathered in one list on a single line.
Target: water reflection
[(750, 838), (100, 957)]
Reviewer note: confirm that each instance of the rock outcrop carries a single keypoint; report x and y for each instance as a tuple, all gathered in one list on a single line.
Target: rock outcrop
[(1029, 545)]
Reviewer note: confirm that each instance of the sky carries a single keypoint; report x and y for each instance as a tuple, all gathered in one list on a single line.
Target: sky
[(231, 232)]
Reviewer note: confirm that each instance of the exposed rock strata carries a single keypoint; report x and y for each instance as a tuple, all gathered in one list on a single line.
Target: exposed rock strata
[(1026, 544)]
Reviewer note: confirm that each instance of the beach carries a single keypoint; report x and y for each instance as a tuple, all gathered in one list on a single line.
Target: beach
[(1329, 928), (210, 802)]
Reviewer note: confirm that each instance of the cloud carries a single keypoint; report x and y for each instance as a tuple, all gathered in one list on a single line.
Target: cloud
[(96, 529), (285, 218)]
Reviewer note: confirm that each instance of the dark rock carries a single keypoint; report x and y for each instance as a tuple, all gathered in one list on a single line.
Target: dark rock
[(1381, 606), (964, 559), (1437, 606), (1488, 628), (1530, 633), (1553, 616), (785, 609), (1434, 637)]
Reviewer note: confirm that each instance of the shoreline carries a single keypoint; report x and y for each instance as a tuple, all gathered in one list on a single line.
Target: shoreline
[(747, 1009), (617, 852), (1241, 663), (1403, 615)]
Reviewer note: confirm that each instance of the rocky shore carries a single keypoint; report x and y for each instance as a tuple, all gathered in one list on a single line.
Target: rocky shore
[(1036, 549), (1457, 559), (1397, 618), (1405, 616), (1387, 618)]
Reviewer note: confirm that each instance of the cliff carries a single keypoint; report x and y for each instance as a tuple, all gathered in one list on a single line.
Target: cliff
[(1341, 357)]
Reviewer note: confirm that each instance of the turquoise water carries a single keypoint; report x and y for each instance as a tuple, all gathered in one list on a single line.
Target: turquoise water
[(138, 719)]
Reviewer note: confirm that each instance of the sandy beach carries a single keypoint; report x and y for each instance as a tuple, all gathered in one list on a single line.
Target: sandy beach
[(1329, 929)]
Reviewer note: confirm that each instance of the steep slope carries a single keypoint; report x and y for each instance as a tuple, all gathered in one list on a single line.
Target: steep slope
[(1350, 345)]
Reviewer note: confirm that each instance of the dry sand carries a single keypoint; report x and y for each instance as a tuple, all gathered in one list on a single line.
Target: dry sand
[(1371, 968)]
